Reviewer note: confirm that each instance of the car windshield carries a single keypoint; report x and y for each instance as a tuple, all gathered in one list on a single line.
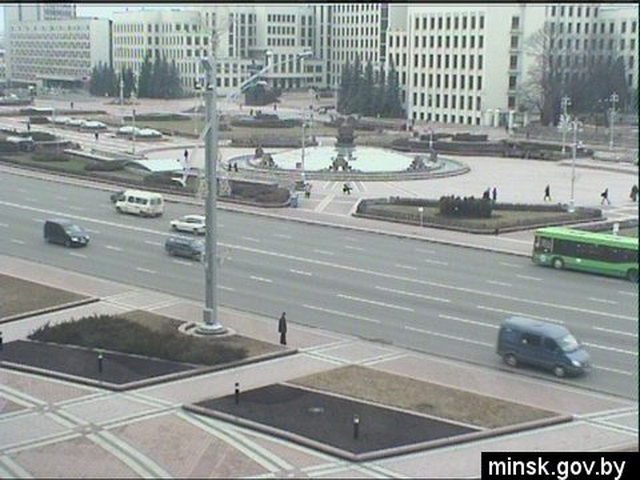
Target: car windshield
[(74, 230), (568, 343)]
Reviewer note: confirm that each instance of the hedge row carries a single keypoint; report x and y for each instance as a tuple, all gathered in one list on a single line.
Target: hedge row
[(471, 207)]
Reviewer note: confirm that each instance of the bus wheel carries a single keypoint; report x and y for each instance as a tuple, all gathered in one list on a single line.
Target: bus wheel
[(559, 371), (558, 264), (632, 275), (511, 360)]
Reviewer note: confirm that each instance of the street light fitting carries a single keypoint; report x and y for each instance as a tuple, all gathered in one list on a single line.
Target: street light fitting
[(305, 54)]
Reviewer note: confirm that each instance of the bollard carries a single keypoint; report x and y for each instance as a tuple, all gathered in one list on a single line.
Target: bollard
[(237, 393), (356, 426), (100, 362)]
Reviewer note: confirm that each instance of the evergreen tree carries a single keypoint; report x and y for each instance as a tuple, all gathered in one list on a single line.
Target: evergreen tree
[(392, 104), (345, 88), (355, 99), (380, 92), (366, 93), (144, 80)]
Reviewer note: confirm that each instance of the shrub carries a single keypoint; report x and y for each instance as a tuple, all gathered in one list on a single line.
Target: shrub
[(451, 206), (119, 334), (50, 157), (106, 166)]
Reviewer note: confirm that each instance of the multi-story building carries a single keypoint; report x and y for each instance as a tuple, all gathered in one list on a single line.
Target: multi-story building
[(58, 52)]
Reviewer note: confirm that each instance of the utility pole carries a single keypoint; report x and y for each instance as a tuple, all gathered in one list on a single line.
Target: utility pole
[(121, 90), (566, 101), (210, 323), (575, 125), (613, 98)]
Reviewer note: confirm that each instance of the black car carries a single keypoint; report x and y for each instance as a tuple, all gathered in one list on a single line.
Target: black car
[(117, 196), (65, 232), (185, 247)]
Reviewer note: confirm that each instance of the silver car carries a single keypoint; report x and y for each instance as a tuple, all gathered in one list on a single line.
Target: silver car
[(190, 223)]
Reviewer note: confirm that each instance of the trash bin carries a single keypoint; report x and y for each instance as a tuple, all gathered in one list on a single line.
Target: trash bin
[(294, 201)]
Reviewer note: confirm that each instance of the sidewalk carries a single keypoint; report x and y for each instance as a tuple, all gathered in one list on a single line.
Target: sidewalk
[(145, 433)]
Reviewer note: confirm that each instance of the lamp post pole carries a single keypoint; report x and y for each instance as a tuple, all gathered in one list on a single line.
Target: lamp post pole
[(211, 325), (304, 135), (613, 98), (430, 139), (566, 101), (574, 126), (121, 90), (133, 131)]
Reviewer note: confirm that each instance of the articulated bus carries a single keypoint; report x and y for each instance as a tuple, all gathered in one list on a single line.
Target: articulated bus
[(601, 253)]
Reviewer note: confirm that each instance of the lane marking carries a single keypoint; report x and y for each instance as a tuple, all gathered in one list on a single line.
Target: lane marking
[(617, 332), (324, 252), (19, 242), (145, 270), (435, 262), (151, 242), (182, 262), (344, 314), (349, 247), (450, 337), (373, 302), (79, 255), (411, 294), (633, 294), (502, 284), (230, 289), (614, 370), (250, 239), (300, 272), (350, 239), (424, 250), (408, 267), (466, 320), (610, 349), (261, 279), (324, 203), (60, 197), (507, 264), (111, 247), (4, 224), (91, 230), (78, 209), (521, 314), (282, 235), (527, 277), (602, 300)]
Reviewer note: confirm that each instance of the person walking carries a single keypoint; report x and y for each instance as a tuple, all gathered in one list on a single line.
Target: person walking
[(634, 193), (282, 328), (605, 197), (547, 193), (494, 194)]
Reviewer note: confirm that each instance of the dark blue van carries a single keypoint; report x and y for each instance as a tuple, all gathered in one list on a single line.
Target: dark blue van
[(541, 344)]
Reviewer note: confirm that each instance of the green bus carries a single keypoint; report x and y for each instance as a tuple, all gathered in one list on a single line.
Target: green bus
[(601, 253)]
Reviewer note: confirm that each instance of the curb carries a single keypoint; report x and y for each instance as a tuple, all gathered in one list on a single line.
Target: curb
[(55, 308)]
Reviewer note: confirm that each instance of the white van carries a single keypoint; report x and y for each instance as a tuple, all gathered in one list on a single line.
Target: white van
[(139, 202)]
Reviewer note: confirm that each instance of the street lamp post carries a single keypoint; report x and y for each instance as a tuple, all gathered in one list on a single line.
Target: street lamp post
[(210, 322), (121, 90), (304, 135), (613, 98), (574, 125), (566, 101), (430, 139), (133, 131)]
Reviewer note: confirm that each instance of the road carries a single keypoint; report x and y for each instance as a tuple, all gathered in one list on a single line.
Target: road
[(434, 298)]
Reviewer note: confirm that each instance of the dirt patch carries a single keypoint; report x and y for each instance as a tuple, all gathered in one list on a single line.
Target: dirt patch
[(423, 397), (21, 296)]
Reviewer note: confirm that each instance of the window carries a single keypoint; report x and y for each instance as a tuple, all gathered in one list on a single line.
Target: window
[(515, 23), (514, 42), (511, 102), (550, 344), (529, 338), (513, 62), (512, 82)]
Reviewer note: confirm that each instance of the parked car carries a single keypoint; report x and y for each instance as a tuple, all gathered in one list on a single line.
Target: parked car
[(541, 344), (185, 247), (190, 223), (65, 232)]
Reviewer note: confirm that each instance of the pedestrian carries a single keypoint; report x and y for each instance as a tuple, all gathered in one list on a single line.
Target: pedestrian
[(186, 155), (634, 193), (235, 166), (346, 188), (605, 197), (547, 193), (494, 194), (71, 105), (307, 190), (28, 126), (486, 195), (282, 328)]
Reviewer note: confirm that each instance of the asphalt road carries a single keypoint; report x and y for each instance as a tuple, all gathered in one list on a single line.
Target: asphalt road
[(435, 298)]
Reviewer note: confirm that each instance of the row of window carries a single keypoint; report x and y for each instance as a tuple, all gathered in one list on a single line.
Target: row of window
[(569, 27), (561, 11), (447, 23), (590, 251), (449, 41), (459, 102), (595, 43), (463, 82), (281, 18)]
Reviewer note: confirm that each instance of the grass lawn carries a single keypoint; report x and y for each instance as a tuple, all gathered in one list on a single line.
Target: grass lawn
[(629, 232), (423, 397), (72, 164), (21, 296)]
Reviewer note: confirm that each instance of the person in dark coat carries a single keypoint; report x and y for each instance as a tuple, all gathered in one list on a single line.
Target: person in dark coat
[(605, 197), (282, 328), (494, 194), (547, 193), (634, 193)]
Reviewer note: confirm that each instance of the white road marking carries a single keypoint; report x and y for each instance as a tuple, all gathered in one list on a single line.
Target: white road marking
[(324, 202), (350, 239), (507, 264), (349, 247), (151, 242), (617, 332), (91, 230), (527, 277), (633, 294), (111, 247), (300, 272), (282, 235), (466, 320), (502, 284), (436, 262), (614, 370), (38, 220), (145, 270), (602, 300), (222, 287), (408, 267), (261, 279), (251, 239), (15, 240), (324, 252), (411, 294), (4, 224), (423, 250), (344, 314), (78, 209), (373, 302), (528, 315), (182, 262), (611, 349), (450, 337), (79, 255)]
